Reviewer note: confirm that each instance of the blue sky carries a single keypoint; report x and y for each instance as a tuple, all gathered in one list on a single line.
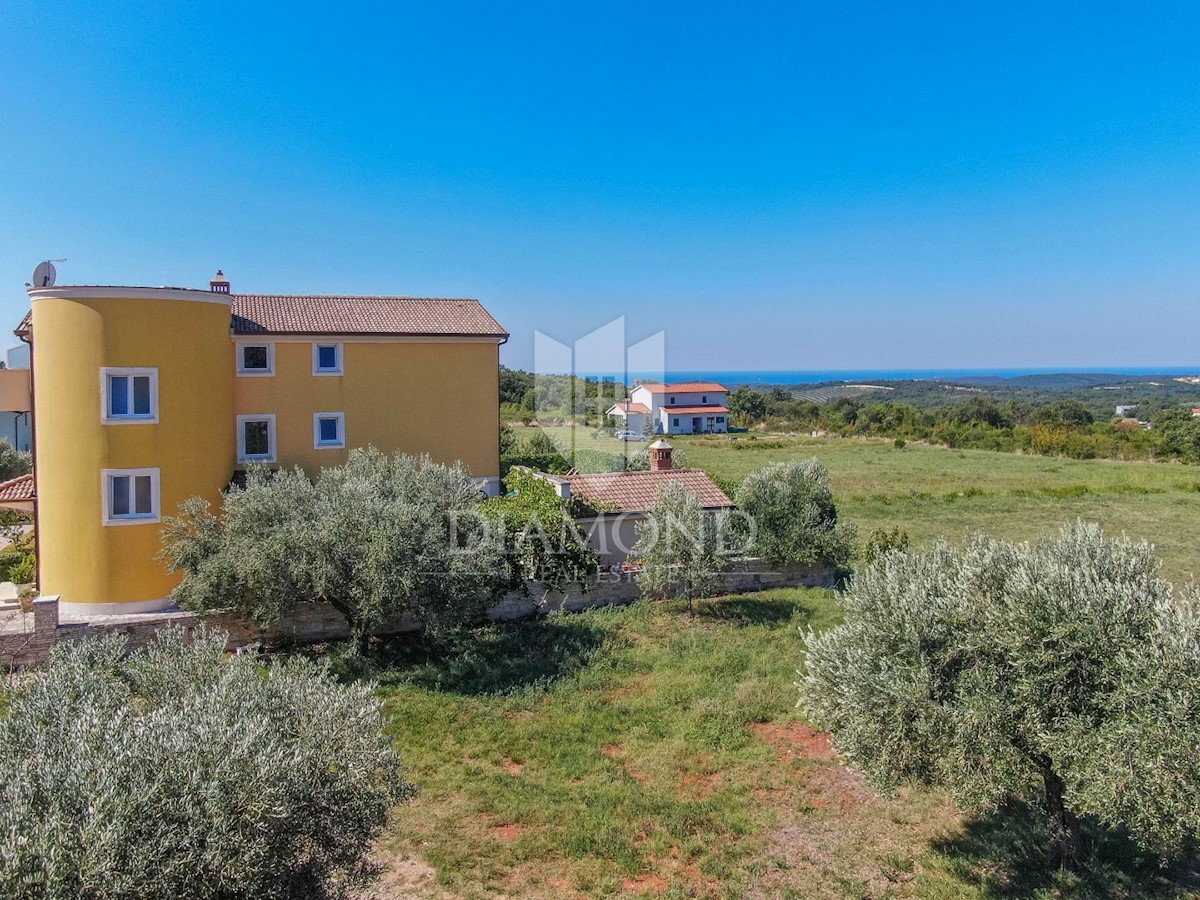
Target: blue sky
[(790, 185)]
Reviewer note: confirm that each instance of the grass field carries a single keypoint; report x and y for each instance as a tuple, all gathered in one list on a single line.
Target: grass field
[(635, 752), (933, 492)]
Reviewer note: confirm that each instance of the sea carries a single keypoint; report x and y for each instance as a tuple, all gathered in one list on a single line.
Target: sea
[(817, 376)]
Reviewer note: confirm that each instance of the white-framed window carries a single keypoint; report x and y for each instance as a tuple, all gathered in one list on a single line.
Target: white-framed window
[(327, 359), (128, 396), (256, 359), (130, 496), (256, 438), (329, 430), (674, 423)]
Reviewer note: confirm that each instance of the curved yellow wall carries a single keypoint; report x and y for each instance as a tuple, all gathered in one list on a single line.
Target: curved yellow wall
[(114, 568)]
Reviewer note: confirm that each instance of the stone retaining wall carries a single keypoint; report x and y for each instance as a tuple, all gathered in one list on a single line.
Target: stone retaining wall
[(26, 637)]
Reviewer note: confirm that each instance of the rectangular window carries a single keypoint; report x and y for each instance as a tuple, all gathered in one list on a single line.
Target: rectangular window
[(329, 430), (674, 423), (720, 420), (672, 401), (129, 395), (131, 496), (327, 359), (256, 438), (704, 398), (256, 359)]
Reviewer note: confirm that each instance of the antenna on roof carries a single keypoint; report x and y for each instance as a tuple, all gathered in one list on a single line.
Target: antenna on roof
[(45, 274)]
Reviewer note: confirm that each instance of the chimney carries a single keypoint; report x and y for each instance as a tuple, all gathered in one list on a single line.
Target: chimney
[(219, 283), (660, 456)]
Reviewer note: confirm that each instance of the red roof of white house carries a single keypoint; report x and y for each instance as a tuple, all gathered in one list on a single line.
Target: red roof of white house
[(628, 406), (696, 410), (683, 387), (637, 491), (16, 490)]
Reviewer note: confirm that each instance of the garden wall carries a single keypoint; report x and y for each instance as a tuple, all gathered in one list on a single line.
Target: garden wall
[(27, 635)]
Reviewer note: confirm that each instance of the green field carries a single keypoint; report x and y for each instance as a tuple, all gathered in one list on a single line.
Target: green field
[(933, 492), (634, 752)]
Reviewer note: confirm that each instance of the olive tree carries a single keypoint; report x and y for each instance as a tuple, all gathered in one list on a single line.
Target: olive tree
[(180, 771), (681, 547), (795, 518), (379, 537), (1066, 669)]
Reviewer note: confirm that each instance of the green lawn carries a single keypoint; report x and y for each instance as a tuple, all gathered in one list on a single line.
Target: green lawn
[(634, 752), (933, 492)]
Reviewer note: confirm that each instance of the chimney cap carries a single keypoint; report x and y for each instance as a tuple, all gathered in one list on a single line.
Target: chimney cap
[(219, 283), (660, 444)]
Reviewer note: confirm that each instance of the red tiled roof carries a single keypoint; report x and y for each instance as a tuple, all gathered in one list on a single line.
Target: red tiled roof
[(17, 489), (272, 314), (696, 410), (683, 387), (637, 491), (630, 407)]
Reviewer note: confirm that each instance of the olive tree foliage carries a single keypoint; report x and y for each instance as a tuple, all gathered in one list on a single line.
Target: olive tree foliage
[(796, 520), (683, 548), (1064, 669), (376, 538), (539, 534), (179, 771), (13, 462)]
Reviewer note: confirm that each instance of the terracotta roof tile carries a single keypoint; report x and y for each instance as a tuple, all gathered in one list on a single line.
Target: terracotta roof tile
[(637, 491), (276, 314), (629, 406), (683, 387), (25, 326), (16, 489)]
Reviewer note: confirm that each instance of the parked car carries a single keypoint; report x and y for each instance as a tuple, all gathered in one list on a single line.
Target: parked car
[(630, 436)]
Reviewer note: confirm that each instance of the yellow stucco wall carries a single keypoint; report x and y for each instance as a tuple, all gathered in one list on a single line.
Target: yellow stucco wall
[(82, 559), (439, 398)]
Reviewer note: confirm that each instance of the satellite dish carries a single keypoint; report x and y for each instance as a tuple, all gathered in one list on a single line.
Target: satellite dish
[(44, 275)]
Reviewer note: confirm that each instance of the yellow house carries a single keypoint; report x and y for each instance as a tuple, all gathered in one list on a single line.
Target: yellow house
[(144, 397)]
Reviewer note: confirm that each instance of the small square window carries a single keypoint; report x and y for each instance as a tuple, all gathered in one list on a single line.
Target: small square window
[(129, 395), (672, 401), (131, 496), (256, 359), (327, 359), (256, 438), (329, 430)]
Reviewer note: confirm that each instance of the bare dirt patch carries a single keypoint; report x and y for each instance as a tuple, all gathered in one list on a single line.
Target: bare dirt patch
[(795, 739), (617, 752), (512, 767), (645, 884), (505, 831)]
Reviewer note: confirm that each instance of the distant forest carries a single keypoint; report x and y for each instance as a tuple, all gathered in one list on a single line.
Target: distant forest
[(1055, 415)]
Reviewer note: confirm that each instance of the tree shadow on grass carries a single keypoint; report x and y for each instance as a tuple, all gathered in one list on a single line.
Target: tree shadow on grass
[(1004, 854), (749, 610), (498, 658)]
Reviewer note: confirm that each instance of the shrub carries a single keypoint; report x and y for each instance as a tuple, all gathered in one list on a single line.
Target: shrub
[(881, 542), (680, 546), (379, 537), (541, 540), (795, 518), (990, 669), (181, 772), (13, 462)]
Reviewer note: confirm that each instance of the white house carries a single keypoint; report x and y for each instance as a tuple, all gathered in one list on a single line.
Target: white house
[(685, 407), (15, 403), (633, 414)]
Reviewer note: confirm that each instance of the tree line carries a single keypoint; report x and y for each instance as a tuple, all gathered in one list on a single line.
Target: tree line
[(1065, 427)]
